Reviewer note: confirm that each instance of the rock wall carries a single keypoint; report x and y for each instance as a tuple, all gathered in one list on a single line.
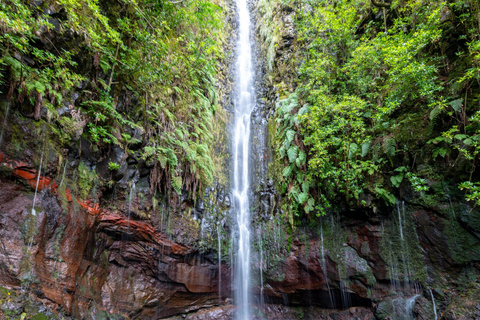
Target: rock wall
[(130, 255), (78, 263)]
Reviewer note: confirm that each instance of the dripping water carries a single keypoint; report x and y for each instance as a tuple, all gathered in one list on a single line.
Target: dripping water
[(409, 304), (63, 174), (324, 266), (126, 234), (130, 196), (34, 213), (433, 302)]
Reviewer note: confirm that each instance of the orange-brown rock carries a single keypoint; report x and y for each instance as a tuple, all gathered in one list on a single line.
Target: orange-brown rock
[(75, 260)]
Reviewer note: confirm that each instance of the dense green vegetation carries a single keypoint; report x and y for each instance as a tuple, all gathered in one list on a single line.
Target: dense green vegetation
[(387, 97), (143, 70)]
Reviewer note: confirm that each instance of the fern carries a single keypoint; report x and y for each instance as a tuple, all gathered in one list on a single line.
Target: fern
[(352, 150), (177, 184), (292, 153), (300, 161), (287, 171), (290, 134), (366, 148), (389, 146)]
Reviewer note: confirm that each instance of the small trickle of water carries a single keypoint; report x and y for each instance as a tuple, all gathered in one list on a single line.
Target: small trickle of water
[(38, 181), (400, 222), (405, 252), (63, 174), (344, 288), (434, 306), (130, 197), (324, 266), (409, 304)]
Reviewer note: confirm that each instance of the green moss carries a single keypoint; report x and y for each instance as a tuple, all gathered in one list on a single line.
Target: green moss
[(464, 305), (462, 245), (5, 293), (41, 316)]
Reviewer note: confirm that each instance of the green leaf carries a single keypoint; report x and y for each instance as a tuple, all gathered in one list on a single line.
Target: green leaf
[(434, 113), (300, 161), (177, 184), (468, 141), (287, 171), (311, 201), (304, 110), (397, 180), (163, 160), (456, 104), (292, 153), (352, 150), (439, 152), (302, 197), (305, 186), (387, 196), (290, 135), (460, 136), (389, 146), (366, 148)]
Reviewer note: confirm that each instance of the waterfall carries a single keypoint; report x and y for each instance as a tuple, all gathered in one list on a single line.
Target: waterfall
[(244, 103)]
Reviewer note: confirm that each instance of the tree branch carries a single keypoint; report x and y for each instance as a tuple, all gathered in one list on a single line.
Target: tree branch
[(381, 4)]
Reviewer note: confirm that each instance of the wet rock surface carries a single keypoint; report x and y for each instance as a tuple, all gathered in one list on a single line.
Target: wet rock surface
[(72, 259)]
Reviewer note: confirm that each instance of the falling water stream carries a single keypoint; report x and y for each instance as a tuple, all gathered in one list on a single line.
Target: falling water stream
[(434, 307), (244, 103), (324, 266)]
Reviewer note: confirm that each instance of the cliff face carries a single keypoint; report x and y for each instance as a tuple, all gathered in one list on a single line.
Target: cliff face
[(80, 259), (96, 241), (410, 255), (96, 221)]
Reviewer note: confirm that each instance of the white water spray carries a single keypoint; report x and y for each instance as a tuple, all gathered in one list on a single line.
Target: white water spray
[(244, 103)]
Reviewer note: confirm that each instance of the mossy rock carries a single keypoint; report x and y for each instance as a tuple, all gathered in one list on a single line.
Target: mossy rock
[(470, 218), (463, 246), (465, 305)]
